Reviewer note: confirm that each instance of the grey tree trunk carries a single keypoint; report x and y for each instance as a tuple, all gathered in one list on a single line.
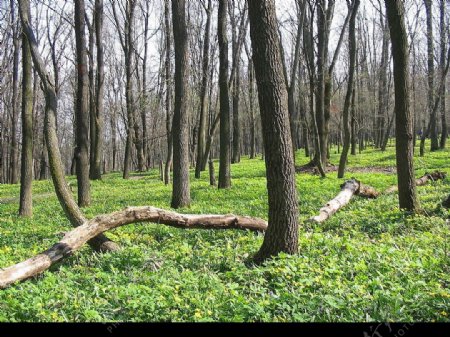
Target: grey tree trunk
[(282, 232), (26, 177), (431, 74), (443, 38), (225, 130), (403, 117), (203, 95), (98, 120), (180, 127), (81, 109), (350, 88), (14, 151), (168, 75)]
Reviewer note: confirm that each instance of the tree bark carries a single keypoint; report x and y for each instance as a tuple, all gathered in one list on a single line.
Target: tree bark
[(97, 150), (238, 32), (81, 109), (76, 238), (282, 233), (203, 94), (404, 120), (352, 64), (225, 130), (251, 94), (180, 127), (168, 75), (26, 177), (91, 90), (14, 151), (431, 74), (383, 94), (443, 38)]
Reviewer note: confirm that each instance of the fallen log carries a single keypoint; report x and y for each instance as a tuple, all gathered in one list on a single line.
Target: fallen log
[(77, 237), (348, 189), (435, 176)]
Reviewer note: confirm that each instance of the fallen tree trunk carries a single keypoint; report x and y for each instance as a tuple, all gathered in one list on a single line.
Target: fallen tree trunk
[(76, 238), (437, 175), (348, 189)]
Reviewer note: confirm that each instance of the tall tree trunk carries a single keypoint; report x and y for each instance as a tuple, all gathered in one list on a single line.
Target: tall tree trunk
[(293, 111), (383, 95), (321, 148), (92, 101), (225, 130), (14, 151), (251, 98), (81, 109), (353, 125), (132, 128), (236, 123), (350, 89), (168, 75), (144, 98), (443, 42), (403, 117), (180, 128), (26, 177), (72, 211), (431, 74), (97, 150), (201, 144), (43, 161), (236, 82), (113, 125), (282, 232)]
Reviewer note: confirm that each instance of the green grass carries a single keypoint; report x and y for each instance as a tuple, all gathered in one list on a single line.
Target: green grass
[(370, 262)]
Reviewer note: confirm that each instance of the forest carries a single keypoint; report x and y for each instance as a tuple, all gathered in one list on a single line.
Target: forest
[(224, 161)]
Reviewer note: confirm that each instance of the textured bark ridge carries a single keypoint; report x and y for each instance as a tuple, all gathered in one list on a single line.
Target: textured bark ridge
[(348, 190), (437, 175), (76, 238), (446, 203)]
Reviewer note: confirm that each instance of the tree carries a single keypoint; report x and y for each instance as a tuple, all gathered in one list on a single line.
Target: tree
[(97, 120), (81, 109), (168, 74), (404, 119), (238, 34), (201, 143), (225, 130), (126, 36), (282, 232), (290, 84), (431, 92), (180, 132), (68, 204), (443, 42), (14, 101), (350, 90), (383, 90), (26, 176)]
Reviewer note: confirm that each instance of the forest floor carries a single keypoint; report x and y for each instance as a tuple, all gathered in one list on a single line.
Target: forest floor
[(369, 262)]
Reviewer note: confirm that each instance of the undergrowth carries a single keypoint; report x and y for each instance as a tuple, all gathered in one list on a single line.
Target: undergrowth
[(370, 262)]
